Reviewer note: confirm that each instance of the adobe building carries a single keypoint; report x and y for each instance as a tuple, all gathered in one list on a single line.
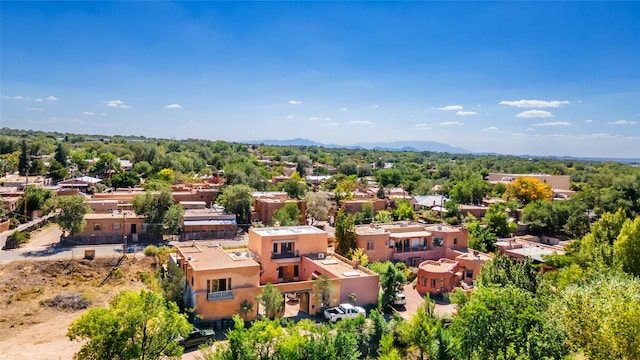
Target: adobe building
[(265, 205), (290, 258), (111, 228), (207, 224), (562, 182), (439, 251)]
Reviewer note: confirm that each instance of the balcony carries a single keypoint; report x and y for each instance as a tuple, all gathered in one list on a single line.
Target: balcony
[(285, 255), (220, 295)]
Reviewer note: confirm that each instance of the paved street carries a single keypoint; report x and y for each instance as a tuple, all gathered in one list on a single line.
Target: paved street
[(44, 245)]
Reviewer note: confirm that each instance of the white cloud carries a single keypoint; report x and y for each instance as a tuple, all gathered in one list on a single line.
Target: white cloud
[(37, 100), (466, 113), (423, 127), (534, 103), (530, 129), (88, 113), (52, 98), (316, 118), (623, 122), (588, 121), (452, 123), (530, 114), (343, 109), (333, 125), (173, 106), (17, 97), (450, 107), (289, 117), (373, 106), (295, 102), (490, 129), (361, 122), (553, 123), (117, 104), (33, 109)]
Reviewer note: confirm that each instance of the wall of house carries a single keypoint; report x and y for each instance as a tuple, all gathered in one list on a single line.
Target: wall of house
[(103, 206), (206, 195), (435, 282), (381, 250), (304, 244)]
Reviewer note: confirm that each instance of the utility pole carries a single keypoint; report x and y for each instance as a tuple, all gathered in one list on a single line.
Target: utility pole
[(124, 233), (26, 186)]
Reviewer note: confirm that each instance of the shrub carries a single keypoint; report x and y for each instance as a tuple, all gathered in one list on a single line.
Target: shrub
[(73, 301)]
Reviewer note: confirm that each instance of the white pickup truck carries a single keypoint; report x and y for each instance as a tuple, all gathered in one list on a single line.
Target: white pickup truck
[(343, 311)]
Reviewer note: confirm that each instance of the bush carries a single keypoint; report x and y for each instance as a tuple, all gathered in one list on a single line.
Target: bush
[(72, 301), (151, 250)]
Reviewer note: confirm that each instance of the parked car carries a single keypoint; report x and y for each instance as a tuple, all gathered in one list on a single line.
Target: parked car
[(343, 311), (400, 299), (197, 337)]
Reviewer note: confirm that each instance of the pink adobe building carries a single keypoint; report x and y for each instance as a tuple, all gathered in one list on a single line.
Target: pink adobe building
[(265, 205), (439, 251), (218, 280)]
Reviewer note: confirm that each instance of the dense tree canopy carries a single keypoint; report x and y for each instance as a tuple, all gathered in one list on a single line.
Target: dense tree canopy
[(136, 325)]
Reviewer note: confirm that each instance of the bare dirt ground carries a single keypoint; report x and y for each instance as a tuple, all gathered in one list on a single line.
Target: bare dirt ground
[(33, 330)]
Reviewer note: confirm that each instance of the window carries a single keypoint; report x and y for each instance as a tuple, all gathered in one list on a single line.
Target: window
[(455, 241), (296, 270), (441, 283), (392, 244), (469, 274), (424, 281), (438, 241), (369, 245), (109, 210), (216, 285), (97, 227), (433, 283), (115, 226)]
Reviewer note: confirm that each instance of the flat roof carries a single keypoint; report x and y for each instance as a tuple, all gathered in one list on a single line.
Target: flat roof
[(213, 257), (288, 230), (535, 253), (209, 222), (439, 266), (442, 228), (338, 268), (409, 234), (115, 215)]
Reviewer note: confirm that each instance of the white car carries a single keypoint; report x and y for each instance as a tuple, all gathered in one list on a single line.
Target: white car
[(400, 299), (343, 311)]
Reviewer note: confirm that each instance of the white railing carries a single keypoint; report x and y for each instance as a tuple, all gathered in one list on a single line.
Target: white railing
[(220, 295)]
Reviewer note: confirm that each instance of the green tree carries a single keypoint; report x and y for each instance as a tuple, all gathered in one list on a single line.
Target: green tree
[(404, 211), (626, 247), (601, 318), (62, 154), (107, 164), (57, 171), (303, 162), (71, 212), (383, 217), (391, 282), (237, 199), (23, 161), (345, 232), (126, 179), (271, 299), (503, 271), (136, 325), (161, 213), (469, 191), (419, 332), (172, 283), (323, 289), (505, 323), (294, 188), (498, 221), (35, 198), (288, 215), (318, 206), (480, 238)]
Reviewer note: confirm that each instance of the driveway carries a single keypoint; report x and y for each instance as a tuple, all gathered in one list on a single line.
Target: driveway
[(415, 300)]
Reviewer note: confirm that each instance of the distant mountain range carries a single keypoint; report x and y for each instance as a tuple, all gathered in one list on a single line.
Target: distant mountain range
[(385, 146)]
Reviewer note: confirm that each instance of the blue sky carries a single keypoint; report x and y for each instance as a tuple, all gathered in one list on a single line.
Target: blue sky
[(542, 78)]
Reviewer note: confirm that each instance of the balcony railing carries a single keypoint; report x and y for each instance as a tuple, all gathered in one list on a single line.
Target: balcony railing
[(220, 295), (285, 255)]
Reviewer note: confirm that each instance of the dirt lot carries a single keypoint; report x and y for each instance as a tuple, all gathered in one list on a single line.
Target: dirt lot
[(33, 330)]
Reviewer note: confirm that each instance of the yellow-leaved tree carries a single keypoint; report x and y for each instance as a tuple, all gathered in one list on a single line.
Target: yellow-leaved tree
[(527, 189)]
